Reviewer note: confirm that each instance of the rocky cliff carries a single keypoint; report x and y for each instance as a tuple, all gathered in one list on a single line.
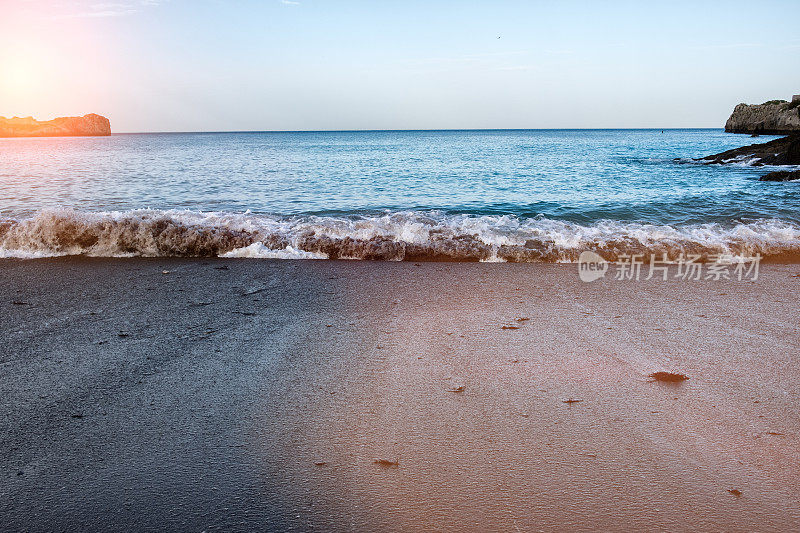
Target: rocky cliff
[(60, 127), (777, 117)]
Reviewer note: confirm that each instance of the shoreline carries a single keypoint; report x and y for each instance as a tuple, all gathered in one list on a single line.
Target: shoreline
[(385, 236), (204, 397)]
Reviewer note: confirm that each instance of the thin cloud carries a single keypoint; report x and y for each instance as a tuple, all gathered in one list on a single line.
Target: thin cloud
[(518, 67), (290, 3), (111, 9), (466, 58), (726, 46)]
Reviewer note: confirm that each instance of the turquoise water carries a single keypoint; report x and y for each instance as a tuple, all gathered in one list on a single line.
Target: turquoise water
[(465, 195)]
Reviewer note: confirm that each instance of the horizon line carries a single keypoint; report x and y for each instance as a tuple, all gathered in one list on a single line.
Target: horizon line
[(411, 130)]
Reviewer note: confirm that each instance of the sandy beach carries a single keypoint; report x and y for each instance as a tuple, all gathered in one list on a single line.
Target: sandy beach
[(247, 394)]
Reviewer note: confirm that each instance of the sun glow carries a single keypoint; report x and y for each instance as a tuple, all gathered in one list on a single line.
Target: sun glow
[(23, 81), (18, 76), (61, 72)]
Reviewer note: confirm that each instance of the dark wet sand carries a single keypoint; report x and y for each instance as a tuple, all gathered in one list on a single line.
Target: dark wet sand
[(201, 399)]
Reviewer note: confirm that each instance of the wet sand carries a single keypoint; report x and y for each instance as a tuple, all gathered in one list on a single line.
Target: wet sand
[(203, 398)]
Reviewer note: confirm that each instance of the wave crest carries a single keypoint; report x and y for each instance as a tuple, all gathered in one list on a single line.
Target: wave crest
[(397, 236)]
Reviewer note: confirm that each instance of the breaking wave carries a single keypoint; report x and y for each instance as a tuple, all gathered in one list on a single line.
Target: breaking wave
[(396, 236)]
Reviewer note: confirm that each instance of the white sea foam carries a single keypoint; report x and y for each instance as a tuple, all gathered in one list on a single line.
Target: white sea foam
[(403, 235), (257, 250), (741, 161)]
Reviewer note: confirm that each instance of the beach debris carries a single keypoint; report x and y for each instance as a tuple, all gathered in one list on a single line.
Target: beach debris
[(165, 271), (387, 463), (123, 334), (571, 400), (460, 388), (510, 327), (320, 463), (735, 492), (245, 313), (668, 377), (775, 433), (223, 267), (523, 319), (19, 302), (77, 415)]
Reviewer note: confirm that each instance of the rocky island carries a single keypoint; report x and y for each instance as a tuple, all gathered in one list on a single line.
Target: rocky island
[(87, 125), (776, 117)]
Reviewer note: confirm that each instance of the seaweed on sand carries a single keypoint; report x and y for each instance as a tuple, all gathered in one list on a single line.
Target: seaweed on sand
[(668, 377)]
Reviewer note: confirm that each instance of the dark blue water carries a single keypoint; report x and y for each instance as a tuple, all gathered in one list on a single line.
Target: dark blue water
[(310, 191)]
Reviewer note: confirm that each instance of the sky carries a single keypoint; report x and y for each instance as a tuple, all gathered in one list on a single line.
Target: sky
[(212, 65)]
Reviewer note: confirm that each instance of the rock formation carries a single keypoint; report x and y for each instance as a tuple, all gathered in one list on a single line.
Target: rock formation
[(777, 117), (60, 127), (783, 151), (781, 175)]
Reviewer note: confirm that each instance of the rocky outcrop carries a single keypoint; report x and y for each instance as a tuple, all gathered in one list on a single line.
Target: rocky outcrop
[(781, 175), (87, 125), (783, 151), (777, 117)]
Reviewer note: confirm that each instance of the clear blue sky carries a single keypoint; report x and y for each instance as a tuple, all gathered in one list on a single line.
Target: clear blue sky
[(182, 65)]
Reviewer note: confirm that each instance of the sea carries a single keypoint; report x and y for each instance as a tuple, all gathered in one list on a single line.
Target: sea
[(473, 195)]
